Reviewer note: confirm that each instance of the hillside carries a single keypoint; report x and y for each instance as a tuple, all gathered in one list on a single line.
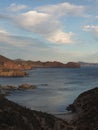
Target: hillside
[(21, 64), (16, 117)]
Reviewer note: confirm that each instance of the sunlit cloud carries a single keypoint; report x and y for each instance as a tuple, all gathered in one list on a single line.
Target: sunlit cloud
[(45, 25), (61, 37)]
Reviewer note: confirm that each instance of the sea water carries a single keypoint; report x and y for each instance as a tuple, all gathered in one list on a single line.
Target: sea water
[(56, 87)]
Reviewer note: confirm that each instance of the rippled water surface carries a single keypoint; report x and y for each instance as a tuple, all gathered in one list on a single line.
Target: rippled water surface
[(56, 87)]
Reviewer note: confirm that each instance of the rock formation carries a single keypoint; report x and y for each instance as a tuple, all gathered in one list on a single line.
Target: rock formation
[(26, 86), (86, 108), (12, 73)]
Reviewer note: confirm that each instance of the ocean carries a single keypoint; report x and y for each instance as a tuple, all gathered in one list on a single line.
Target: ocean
[(56, 87)]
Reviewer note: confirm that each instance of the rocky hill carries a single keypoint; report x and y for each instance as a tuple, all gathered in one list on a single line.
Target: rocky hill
[(15, 68), (86, 108), (6, 63), (16, 117)]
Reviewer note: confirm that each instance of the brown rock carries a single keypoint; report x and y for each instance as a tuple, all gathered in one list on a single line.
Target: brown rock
[(26, 86), (12, 73)]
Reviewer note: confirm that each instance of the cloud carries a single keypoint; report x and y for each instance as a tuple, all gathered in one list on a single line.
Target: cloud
[(45, 21), (62, 9), (61, 37), (44, 25), (18, 41), (14, 7), (2, 31), (93, 29)]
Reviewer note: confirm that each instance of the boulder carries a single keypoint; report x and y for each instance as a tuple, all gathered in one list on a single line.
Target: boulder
[(26, 86)]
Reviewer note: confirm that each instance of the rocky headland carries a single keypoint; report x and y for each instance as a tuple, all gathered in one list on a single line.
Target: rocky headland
[(16, 117), (86, 109), (14, 68)]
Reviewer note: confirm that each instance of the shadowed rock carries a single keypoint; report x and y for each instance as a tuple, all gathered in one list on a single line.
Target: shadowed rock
[(15, 117), (86, 107)]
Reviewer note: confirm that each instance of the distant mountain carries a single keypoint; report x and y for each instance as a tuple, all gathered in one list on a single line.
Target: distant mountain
[(4, 59), (19, 64), (88, 64)]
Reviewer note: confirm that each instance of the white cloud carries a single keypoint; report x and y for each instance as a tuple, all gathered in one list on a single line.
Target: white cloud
[(2, 31), (44, 25), (61, 37), (31, 19), (63, 9), (14, 7), (45, 21), (91, 28)]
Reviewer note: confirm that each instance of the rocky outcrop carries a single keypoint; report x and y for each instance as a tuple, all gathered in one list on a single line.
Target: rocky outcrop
[(6, 63), (15, 117), (86, 108), (12, 73), (26, 86), (6, 89)]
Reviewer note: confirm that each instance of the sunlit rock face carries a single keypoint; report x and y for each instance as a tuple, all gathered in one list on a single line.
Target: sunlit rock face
[(12, 73), (6, 63)]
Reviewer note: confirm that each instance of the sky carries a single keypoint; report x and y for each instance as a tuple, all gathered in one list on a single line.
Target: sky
[(49, 30)]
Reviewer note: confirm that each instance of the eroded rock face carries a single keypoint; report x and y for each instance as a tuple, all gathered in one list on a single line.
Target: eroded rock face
[(86, 107)]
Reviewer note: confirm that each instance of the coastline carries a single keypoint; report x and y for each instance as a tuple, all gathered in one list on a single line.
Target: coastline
[(16, 117)]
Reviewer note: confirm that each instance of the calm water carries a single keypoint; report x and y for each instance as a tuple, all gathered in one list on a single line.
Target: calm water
[(56, 87)]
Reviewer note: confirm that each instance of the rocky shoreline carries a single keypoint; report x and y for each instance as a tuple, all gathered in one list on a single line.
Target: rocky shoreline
[(16, 117), (16, 68), (6, 89)]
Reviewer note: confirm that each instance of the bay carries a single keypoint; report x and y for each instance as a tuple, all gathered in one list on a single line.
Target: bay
[(56, 87)]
